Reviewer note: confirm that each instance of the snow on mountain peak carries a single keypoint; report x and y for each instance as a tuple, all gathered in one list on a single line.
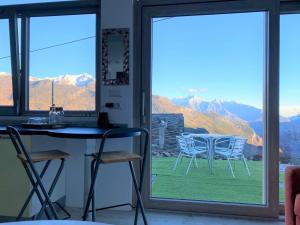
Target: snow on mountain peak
[(79, 80), (195, 101)]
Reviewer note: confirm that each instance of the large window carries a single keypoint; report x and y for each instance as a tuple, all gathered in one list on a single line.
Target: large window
[(195, 102), (289, 94), (51, 55), (6, 92), (62, 62)]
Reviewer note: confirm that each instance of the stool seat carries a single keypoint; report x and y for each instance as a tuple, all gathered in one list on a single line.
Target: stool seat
[(44, 156), (117, 156)]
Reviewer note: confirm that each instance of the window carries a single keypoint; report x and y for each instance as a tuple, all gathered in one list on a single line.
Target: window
[(62, 62), (209, 80), (6, 91), (56, 62), (289, 95), (201, 103)]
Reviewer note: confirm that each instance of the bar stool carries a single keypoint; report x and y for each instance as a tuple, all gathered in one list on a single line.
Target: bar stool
[(118, 157), (28, 160)]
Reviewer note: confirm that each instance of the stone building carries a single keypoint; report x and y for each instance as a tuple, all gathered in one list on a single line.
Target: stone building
[(165, 128)]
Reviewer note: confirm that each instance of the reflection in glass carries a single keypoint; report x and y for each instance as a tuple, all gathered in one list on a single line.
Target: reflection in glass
[(115, 45)]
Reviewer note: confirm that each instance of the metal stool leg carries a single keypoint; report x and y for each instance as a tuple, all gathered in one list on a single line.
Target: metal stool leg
[(31, 194), (91, 191), (40, 184), (33, 183), (93, 180), (137, 190), (52, 186), (93, 196)]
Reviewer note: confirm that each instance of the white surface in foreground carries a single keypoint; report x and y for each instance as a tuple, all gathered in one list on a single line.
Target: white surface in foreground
[(54, 222)]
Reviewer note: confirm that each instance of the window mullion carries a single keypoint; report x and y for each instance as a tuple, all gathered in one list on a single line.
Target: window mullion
[(15, 66), (25, 62)]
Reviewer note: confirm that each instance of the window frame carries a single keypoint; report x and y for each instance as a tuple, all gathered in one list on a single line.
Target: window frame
[(20, 82), (147, 9)]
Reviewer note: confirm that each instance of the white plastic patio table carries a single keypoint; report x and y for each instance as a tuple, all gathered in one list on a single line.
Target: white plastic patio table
[(54, 222), (211, 150)]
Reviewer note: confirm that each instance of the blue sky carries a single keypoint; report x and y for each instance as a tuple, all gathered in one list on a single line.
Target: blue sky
[(74, 58), (213, 57), (222, 57)]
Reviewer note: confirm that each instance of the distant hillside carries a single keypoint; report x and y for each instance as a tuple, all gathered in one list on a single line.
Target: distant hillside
[(73, 92), (6, 97), (211, 121), (224, 108), (290, 138)]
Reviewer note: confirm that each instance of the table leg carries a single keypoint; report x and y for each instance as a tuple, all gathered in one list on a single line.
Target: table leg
[(75, 172), (211, 155)]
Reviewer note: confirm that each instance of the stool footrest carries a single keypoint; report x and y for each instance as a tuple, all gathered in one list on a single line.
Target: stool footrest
[(114, 206), (44, 156), (117, 156)]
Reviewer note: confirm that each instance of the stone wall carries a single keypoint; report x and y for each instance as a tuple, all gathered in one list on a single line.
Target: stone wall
[(164, 129)]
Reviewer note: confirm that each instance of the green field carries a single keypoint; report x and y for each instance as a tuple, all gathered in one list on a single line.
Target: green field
[(198, 184)]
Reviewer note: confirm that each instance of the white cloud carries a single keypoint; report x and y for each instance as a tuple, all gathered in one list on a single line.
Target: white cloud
[(195, 91)]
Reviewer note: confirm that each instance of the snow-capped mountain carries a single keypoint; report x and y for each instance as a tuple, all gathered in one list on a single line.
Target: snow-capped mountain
[(80, 80), (220, 107)]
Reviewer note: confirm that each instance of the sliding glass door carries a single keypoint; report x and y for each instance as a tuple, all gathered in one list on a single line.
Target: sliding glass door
[(206, 102), (199, 68), (289, 95)]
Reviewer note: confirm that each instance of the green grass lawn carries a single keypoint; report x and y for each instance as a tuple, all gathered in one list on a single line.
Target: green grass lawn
[(198, 184)]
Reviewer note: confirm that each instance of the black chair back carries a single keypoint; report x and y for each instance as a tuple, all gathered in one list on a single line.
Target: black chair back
[(17, 142)]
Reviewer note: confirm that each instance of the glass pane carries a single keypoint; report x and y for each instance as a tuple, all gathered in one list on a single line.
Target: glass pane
[(207, 107), (62, 62), (289, 95), (6, 94)]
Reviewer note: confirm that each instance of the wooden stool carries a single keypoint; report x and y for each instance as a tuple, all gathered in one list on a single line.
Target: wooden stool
[(119, 157), (28, 160)]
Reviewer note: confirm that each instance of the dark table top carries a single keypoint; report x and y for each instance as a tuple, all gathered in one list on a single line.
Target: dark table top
[(69, 132)]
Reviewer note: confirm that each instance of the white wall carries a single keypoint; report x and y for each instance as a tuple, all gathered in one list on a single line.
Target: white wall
[(114, 185)]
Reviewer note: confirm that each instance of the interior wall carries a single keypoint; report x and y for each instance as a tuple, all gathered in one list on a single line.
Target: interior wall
[(114, 185)]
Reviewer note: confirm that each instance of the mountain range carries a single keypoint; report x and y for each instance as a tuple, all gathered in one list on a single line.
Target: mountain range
[(6, 97), (225, 108), (289, 127), (77, 92), (73, 92), (212, 122)]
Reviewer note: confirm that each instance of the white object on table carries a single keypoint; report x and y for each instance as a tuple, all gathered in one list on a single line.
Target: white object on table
[(54, 222)]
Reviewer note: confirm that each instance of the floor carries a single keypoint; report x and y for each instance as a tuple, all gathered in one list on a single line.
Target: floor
[(162, 218)]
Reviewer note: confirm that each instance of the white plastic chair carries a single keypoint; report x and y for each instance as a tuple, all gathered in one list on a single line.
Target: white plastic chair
[(191, 147), (232, 149)]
